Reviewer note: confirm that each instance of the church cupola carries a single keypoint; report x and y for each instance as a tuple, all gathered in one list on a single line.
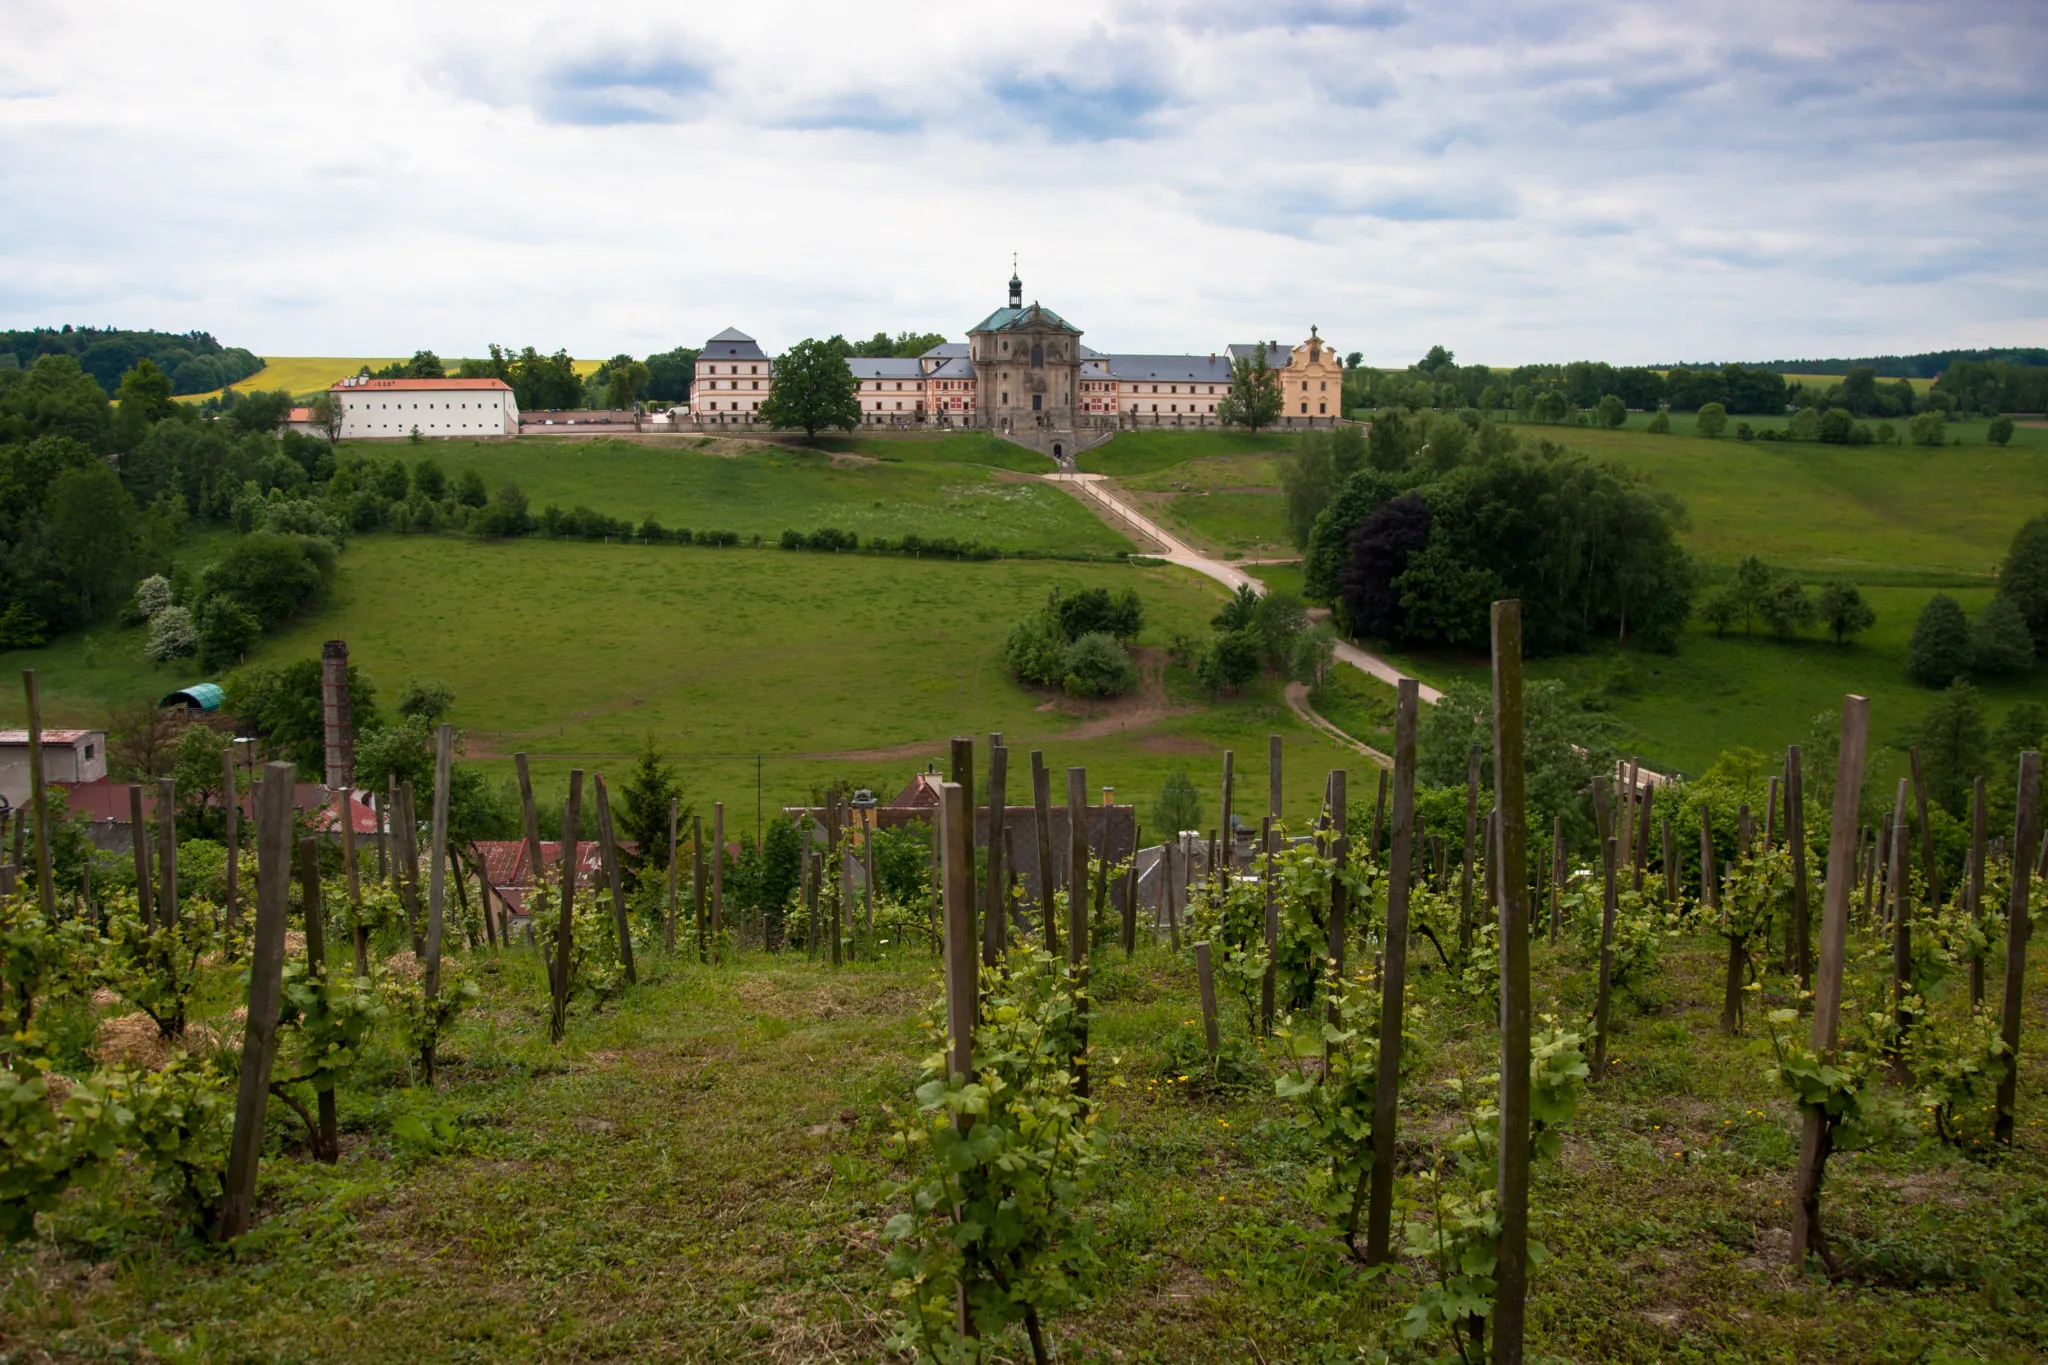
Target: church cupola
[(1016, 288)]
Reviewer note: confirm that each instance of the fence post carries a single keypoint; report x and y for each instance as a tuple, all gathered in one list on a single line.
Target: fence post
[(1041, 800), (963, 985), (1843, 837), (717, 877), (565, 934), (329, 1146), (1077, 914), (2026, 832), (138, 846), (1394, 975), (1603, 992), (437, 868), (1795, 839), (231, 834), (697, 883), (167, 850), (1229, 790), (1340, 849), (1512, 1267), (1979, 828), (608, 851), (266, 977), (1205, 981), (994, 932), (39, 800), (1902, 912), (1471, 840), (1928, 865)]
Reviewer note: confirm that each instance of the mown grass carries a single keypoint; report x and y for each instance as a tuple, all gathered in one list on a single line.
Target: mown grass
[(873, 487), (1131, 453), (702, 1172), (577, 651)]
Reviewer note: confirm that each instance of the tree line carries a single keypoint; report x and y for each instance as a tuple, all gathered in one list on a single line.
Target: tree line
[(194, 361)]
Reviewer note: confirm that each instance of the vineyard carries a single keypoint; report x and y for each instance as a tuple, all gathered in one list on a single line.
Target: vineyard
[(1759, 1079)]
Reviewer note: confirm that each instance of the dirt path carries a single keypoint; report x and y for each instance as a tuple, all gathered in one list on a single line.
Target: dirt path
[(1297, 698)]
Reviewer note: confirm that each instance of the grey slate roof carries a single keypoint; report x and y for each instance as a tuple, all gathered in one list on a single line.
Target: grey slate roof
[(885, 367), (732, 344), (1202, 369), (954, 367), (1277, 355), (946, 350)]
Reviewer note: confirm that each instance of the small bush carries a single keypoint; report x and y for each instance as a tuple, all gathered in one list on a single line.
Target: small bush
[(1097, 666)]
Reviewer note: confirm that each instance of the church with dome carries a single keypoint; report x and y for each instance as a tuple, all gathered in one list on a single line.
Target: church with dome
[(1025, 372)]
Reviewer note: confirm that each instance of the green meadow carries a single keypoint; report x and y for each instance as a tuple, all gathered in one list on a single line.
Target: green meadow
[(853, 669), (963, 486)]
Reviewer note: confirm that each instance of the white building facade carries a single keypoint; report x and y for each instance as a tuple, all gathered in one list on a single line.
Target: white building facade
[(1084, 387), (392, 409)]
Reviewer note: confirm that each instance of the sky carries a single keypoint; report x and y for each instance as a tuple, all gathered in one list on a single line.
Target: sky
[(1638, 183)]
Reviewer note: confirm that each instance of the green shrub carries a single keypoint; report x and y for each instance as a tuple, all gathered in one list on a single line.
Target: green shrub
[(1097, 666)]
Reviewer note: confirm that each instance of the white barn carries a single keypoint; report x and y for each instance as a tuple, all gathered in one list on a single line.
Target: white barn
[(389, 409)]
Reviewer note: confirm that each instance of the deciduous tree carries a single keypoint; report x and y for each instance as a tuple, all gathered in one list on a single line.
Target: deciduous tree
[(1254, 399), (813, 390), (1939, 651)]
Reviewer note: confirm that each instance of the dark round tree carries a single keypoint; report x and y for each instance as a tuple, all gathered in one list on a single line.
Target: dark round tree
[(1380, 547)]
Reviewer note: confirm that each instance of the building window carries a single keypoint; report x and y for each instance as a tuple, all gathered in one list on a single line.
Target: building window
[(1322, 407), (1036, 403), (1322, 386), (1037, 354), (1304, 409)]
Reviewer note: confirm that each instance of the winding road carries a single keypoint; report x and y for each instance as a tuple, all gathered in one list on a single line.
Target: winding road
[(1097, 489)]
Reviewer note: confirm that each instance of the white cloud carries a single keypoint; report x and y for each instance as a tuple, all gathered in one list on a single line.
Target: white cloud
[(1541, 181)]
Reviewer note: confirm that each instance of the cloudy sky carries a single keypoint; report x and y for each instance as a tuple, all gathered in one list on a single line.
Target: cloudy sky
[(1635, 182)]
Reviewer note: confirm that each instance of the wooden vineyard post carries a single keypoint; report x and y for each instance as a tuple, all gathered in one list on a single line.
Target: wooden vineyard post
[(1902, 914), (994, 933), (960, 769), (1927, 864), (963, 981), (1979, 828), (1642, 837), (668, 927), (1670, 863), (608, 851), (1205, 980), (1041, 801), (565, 932), (1077, 915), (1471, 839), (1602, 1003), (1512, 1267), (266, 982), (530, 817), (2026, 833), (1557, 877), (409, 870), (1270, 926), (1379, 818), (231, 835), (167, 851), (1394, 976), (493, 925), (345, 813), (1229, 838), (1101, 877), (39, 800), (867, 870), (1710, 886), (329, 1145), (138, 845), (697, 884), (717, 880), (1814, 1140), (1171, 852), (1131, 889), (1795, 840), (1340, 849), (437, 876)]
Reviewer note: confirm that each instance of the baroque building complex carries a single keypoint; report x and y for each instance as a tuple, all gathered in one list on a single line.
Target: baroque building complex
[(1023, 371)]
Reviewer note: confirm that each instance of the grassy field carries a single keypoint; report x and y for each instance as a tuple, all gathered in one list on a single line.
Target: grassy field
[(1869, 513), (1226, 504), (703, 1172), (303, 374), (932, 488), (844, 668), (1144, 452)]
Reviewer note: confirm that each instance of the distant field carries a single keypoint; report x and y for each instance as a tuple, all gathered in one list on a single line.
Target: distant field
[(303, 374), (1868, 512), (575, 651), (1679, 711), (874, 487), (1143, 452)]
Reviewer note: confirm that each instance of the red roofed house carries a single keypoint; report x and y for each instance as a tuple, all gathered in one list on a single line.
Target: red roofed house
[(68, 756), (392, 409), (511, 871)]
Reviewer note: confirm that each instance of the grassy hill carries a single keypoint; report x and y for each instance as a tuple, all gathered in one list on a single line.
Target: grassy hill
[(833, 667), (954, 486)]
